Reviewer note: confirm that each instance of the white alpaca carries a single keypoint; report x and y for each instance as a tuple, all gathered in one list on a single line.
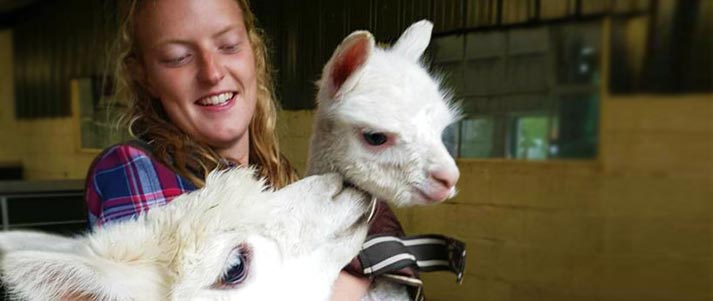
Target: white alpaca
[(379, 124), (380, 118), (232, 240)]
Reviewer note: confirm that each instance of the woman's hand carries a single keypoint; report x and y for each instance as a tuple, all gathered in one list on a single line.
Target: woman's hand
[(349, 288)]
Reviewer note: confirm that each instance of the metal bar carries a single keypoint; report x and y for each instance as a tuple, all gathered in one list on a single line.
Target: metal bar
[(78, 221), (5, 215), (40, 195)]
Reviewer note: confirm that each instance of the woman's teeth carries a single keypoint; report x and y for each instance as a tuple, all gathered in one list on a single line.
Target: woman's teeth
[(216, 99)]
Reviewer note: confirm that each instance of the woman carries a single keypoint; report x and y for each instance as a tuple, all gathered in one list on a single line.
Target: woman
[(201, 97)]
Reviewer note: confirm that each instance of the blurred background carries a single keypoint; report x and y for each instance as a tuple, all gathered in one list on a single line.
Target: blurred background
[(586, 147)]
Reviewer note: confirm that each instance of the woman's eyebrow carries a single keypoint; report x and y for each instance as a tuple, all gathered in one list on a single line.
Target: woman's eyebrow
[(226, 30), (223, 31), (161, 43)]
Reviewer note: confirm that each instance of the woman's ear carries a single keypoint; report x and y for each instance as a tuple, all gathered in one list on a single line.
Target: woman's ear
[(137, 72)]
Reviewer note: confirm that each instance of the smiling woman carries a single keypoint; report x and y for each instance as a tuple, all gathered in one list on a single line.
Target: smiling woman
[(197, 79), (200, 87), (201, 69)]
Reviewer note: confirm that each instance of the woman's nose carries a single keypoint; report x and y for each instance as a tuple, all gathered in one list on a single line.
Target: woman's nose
[(211, 71)]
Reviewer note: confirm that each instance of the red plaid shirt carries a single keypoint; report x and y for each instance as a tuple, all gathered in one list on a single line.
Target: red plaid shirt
[(125, 181)]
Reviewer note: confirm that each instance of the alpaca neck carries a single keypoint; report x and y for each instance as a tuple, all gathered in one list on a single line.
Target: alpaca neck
[(321, 147)]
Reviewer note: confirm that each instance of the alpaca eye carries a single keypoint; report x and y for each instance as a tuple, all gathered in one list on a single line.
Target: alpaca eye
[(375, 139), (237, 271), (237, 268)]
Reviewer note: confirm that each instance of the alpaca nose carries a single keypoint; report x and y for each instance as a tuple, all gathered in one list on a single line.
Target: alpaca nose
[(448, 177)]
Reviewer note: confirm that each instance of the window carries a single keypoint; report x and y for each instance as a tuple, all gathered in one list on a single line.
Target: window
[(527, 93), (530, 137)]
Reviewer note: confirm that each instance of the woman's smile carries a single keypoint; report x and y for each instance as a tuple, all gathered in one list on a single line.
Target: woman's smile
[(217, 102)]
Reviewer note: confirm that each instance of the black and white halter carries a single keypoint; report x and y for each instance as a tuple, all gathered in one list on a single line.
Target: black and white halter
[(383, 255)]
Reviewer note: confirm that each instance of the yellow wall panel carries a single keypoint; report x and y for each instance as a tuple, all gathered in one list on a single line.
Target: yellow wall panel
[(690, 114), (662, 153)]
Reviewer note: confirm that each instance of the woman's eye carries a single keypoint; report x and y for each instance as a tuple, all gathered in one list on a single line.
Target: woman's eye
[(375, 139), (178, 60), (230, 48)]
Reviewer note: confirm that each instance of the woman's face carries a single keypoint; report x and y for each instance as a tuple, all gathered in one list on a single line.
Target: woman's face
[(195, 56)]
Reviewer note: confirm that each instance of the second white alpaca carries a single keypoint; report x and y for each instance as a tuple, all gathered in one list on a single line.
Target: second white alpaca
[(379, 122), (380, 118)]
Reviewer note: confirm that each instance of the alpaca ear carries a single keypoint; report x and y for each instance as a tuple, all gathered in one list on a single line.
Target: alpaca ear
[(345, 65), (51, 275), (414, 40), (38, 266), (12, 241)]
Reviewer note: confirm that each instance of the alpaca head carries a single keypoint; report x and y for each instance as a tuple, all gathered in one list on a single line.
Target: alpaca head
[(380, 118), (232, 240)]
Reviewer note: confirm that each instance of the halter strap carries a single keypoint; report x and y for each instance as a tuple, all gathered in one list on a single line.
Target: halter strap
[(381, 255), (430, 252)]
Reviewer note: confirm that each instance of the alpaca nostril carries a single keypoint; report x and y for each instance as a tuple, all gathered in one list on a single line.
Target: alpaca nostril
[(447, 177)]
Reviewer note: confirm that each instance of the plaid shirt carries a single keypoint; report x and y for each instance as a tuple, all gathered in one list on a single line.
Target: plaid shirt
[(125, 180)]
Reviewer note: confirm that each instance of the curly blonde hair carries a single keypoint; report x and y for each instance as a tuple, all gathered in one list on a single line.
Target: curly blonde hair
[(147, 120)]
